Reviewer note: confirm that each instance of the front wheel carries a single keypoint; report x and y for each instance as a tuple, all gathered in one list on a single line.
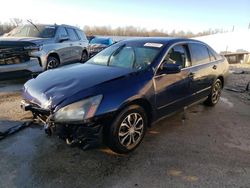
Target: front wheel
[(52, 62), (127, 130), (214, 96)]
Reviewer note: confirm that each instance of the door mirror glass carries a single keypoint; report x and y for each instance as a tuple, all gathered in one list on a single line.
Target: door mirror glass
[(171, 68)]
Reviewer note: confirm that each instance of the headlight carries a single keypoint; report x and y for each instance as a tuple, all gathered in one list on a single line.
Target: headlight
[(78, 111), (34, 47)]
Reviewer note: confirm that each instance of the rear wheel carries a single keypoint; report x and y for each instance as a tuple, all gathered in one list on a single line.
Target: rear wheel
[(127, 130), (215, 94), (84, 57), (52, 62)]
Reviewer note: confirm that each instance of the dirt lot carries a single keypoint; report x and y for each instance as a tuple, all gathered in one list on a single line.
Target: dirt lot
[(210, 149)]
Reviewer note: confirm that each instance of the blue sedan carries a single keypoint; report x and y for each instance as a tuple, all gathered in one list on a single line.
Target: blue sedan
[(124, 89)]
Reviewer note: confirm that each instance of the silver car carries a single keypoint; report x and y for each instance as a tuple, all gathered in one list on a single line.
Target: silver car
[(36, 48)]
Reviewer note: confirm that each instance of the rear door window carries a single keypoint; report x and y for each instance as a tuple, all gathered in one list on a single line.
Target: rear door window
[(72, 34), (212, 57), (81, 35), (199, 54), (214, 53)]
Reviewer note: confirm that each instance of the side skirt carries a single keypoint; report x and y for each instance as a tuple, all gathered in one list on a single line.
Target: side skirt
[(179, 110)]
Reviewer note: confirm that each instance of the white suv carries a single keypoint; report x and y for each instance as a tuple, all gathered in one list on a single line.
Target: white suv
[(35, 48)]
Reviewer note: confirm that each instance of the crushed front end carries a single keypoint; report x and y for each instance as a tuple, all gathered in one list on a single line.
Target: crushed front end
[(83, 133), (96, 48), (15, 57)]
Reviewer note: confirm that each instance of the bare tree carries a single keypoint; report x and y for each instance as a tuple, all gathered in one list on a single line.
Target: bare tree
[(120, 31), (16, 21)]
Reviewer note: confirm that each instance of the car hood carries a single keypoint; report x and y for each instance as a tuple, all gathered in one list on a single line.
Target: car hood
[(52, 87), (23, 40)]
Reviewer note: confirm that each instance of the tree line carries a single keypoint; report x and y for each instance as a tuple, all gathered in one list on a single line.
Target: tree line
[(119, 31), (8, 26), (142, 32)]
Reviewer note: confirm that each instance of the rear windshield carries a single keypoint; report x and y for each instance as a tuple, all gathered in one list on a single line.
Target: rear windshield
[(126, 56)]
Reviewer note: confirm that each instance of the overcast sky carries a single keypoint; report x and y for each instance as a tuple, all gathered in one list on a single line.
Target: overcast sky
[(187, 15)]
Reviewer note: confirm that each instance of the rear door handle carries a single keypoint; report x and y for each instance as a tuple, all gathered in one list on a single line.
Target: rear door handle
[(215, 67)]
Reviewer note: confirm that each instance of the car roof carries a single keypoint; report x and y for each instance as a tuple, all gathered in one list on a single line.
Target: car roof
[(104, 38), (48, 25), (55, 25), (70, 26), (163, 40)]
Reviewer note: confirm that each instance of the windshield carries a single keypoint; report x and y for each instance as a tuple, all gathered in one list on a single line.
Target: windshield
[(101, 41), (41, 31), (126, 56)]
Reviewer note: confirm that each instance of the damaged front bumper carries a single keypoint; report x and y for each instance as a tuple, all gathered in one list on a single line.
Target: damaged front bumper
[(31, 66), (86, 134), (15, 62)]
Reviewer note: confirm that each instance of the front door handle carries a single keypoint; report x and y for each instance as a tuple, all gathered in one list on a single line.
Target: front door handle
[(215, 67)]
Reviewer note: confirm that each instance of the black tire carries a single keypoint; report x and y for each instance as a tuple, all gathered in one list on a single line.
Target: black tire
[(116, 141), (84, 57), (214, 96), (52, 63)]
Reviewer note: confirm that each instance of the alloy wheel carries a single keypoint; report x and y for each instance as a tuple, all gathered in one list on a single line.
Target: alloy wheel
[(216, 92), (131, 130), (52, 63)]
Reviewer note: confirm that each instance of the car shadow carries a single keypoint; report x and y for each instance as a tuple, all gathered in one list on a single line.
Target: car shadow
[(46, 159), (11, 86)]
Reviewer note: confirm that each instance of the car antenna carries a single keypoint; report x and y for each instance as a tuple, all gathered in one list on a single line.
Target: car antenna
[(33, 24)]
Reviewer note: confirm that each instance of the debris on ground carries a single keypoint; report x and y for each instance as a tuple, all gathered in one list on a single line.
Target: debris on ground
[(235, 89), (240, 88), (15, 129), (240, 72)]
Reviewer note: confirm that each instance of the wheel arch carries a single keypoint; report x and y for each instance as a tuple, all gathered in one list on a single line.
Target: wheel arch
[(54, 54), (142, 102), (85, 50), (221, 78)]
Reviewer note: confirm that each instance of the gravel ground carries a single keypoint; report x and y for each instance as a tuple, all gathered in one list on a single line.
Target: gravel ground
[(10, 97), (209, 149)]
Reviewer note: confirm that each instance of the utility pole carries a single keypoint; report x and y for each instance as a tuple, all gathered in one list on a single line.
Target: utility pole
[(249, 25)]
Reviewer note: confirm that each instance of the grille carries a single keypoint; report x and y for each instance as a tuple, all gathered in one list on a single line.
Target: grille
[(14, 55)]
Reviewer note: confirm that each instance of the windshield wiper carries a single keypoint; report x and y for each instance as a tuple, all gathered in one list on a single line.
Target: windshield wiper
[(33, 24), (116, 52)]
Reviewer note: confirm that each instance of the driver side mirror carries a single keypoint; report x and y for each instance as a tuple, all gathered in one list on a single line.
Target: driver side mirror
[(170, 68), (63, 38)]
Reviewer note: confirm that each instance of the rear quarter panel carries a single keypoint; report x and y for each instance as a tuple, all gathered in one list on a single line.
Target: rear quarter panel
[(223, 69)]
